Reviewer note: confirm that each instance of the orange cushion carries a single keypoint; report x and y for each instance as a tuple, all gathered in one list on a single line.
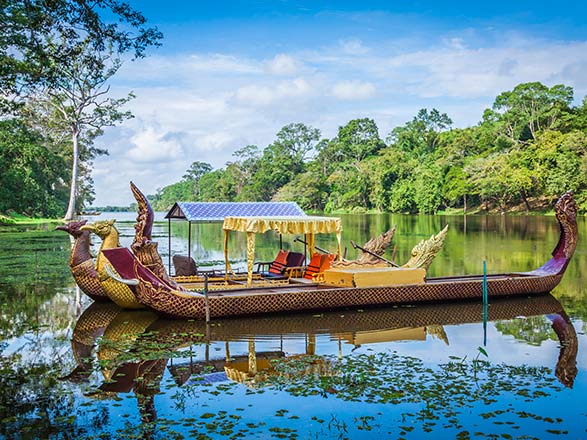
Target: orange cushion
[(313, 266)]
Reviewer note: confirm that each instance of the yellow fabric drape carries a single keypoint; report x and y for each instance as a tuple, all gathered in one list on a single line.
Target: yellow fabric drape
[(227, 267), (311, 240), (250, 256), (284, 225)]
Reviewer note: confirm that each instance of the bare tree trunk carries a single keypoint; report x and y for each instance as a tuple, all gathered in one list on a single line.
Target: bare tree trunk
[(73, 189), (525, 200), (464, 203)]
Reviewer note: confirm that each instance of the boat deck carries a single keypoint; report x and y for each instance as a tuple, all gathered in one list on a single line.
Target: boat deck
[(302, 285)]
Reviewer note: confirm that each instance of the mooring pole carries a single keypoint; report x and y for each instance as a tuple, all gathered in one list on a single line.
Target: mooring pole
[(206, 298), (485, 302)]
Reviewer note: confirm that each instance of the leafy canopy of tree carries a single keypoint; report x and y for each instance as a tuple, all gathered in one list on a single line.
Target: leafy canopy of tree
[(56, 58), (529, 147)]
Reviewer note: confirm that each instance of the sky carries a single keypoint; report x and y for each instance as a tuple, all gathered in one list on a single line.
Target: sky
[(232, 73)]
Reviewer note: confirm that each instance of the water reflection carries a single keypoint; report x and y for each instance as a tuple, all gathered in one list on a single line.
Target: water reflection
[(132, 349)]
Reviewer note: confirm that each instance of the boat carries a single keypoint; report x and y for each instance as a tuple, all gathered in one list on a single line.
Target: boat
[(341, 287)]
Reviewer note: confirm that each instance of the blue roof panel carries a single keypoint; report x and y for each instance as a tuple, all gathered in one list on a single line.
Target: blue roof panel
[(216, 211)]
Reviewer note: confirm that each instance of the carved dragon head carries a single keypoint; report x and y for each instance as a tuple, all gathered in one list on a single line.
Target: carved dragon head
[(101, 228), (73, 228), (566, 213), (144, 224), (425, 251)]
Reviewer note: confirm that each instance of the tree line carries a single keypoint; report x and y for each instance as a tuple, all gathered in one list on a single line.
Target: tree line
[(528, 148)]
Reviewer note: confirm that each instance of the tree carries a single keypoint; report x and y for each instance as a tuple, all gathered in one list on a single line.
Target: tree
[(241, 172), (307, 189), (282, 160), (421, 134), (531, 107), (78, 105), (57, 57), (194, 174), (298, 140), (33, 177), (358, 140)]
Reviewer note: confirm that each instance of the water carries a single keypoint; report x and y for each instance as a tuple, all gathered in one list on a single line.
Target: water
[(71, 368)]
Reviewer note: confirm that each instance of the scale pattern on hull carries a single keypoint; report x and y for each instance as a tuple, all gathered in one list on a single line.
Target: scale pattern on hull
[(328, 298)]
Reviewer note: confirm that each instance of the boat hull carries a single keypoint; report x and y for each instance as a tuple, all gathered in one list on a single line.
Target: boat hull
[(86, 278), (318, 297)]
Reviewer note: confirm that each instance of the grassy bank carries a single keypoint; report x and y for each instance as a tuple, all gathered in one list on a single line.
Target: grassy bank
[(19, 219)]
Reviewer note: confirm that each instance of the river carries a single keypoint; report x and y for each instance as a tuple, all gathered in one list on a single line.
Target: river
[(71, 368)]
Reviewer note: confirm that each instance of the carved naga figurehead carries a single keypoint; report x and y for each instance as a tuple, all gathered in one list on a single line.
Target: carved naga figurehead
[(425, 251), (73, 228), (566, 213), (144, 224), (103, 229)]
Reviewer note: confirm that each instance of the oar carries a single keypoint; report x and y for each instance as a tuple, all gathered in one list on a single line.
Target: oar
[(356, 246), (300, 240)]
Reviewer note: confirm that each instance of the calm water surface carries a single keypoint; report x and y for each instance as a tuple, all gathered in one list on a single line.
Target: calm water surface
[(71, 368)]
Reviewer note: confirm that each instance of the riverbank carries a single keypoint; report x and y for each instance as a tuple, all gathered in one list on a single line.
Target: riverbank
[(19, 219)]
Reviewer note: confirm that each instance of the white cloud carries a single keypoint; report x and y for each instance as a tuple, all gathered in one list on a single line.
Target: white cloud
[(353, 46), (152, 145), (283, 64), (353, 90), (484, 72), (261, 95)]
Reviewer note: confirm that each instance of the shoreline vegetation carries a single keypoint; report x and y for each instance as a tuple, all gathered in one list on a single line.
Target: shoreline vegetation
[(23, 220), (528, 149)]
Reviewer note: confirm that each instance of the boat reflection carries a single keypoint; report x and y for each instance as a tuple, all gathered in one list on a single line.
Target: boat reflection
[(122, 359)]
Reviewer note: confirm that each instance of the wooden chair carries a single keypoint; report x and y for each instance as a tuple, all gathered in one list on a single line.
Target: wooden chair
[(184, 266), (315, 271), (313, 266)]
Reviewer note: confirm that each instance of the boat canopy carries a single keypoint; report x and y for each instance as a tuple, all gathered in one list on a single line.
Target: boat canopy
[(307, 225), (216, 212), (203, 212)]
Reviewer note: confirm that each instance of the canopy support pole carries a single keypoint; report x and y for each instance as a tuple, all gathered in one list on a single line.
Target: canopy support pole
[(189, 239), (250, 257), (169, 245)]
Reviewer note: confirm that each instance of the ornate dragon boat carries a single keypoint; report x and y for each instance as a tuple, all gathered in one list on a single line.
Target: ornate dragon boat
[(342, 287)]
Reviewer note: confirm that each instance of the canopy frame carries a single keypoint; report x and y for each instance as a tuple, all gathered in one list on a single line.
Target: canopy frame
[(307, 225), (215, 212)]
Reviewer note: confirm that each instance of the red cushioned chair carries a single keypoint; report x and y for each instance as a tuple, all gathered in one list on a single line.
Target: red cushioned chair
[(275, 267)]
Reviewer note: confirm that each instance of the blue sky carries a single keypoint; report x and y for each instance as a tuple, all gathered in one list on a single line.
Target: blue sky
[(232, 73)]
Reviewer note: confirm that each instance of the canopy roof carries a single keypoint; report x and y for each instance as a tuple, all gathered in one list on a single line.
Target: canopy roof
[(217, 211), (283, 224)]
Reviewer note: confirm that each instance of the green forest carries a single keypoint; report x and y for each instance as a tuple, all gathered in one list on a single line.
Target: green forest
[(527, 149)]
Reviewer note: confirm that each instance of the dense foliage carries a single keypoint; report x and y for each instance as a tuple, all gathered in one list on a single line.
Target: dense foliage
[(56, 58), (528, 148)]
